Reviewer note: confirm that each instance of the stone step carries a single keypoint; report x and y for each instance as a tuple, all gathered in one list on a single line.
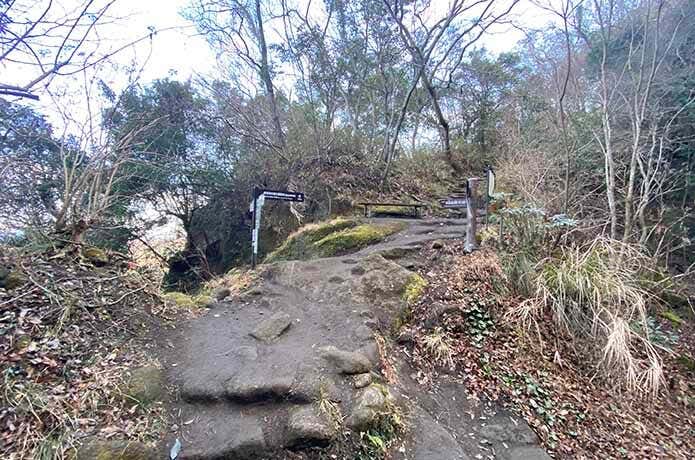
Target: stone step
[(257, 383), (221, 435), (253, 386), (227, 432)]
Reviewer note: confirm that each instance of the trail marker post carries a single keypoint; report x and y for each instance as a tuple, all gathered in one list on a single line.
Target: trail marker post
[(259, 197), (471, 215)]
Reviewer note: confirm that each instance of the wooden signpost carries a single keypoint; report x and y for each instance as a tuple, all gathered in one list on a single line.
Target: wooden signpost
[(467, 200), (259, 197), (490, 176), (471, 215)]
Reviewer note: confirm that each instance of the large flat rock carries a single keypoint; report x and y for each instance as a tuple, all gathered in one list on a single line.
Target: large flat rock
[(236, 437)]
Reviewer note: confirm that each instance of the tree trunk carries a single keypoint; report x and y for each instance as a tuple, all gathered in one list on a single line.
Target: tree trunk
[(443, 123), (267, 78), (78, 231), (399, 124), (610, 175)]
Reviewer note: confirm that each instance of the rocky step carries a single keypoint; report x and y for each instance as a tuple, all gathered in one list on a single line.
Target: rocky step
[(260, 432), (231, 431), (269, 382), (254, 385)]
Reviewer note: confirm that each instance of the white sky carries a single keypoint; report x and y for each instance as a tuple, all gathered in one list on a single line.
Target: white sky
[(181, 50), (181, 53)]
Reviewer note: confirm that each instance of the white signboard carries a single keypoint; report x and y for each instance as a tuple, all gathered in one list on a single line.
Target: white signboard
[(255, 209), (490, 182)]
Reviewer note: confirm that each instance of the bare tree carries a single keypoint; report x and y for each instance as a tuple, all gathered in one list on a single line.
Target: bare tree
[(238, 27), (446, 39), (92, 164), (636, 126), (41, 40)]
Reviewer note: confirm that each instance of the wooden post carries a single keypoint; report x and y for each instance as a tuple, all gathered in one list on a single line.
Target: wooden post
[(471, 214)]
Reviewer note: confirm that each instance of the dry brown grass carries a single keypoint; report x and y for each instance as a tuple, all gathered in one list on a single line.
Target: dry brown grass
[(594, 294), (440, 346), (537, 182)]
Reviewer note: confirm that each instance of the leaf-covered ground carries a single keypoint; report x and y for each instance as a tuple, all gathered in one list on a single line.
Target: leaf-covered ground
[(70, 333), (459, 326)]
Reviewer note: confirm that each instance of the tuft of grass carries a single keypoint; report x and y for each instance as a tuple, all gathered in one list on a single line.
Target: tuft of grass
[(594, 294), (440, 346), (237, 280), (374, 443), (329, 408)]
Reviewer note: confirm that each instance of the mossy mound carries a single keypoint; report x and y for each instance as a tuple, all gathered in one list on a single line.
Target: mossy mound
[(145, 385), (11, 279), (300, 244), (114, 450), (352, 239), (333, 238), (186, 301)]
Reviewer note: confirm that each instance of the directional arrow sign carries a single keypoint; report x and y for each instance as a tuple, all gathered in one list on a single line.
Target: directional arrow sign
[(282, 195), (260, 195), (454, 203)]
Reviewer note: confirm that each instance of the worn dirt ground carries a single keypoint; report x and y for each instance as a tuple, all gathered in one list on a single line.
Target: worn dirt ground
[(250, 375)]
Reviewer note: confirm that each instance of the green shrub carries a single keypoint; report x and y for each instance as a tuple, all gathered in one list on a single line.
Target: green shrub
[(529, 236)]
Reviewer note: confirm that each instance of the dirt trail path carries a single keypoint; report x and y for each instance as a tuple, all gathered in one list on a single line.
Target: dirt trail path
[(266, 374)]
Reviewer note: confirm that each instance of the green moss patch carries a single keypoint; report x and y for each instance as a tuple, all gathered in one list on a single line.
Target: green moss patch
[(300, 244), (115, 450), (333, 238), (96, 256), (186, 301), (672, 316), (687, 362), (392, 211), (414, 289), (353, 239), (11, 279), (145, 386)]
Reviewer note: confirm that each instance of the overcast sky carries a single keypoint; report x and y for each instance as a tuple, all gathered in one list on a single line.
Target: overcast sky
[(178, 51), (182, 51)]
